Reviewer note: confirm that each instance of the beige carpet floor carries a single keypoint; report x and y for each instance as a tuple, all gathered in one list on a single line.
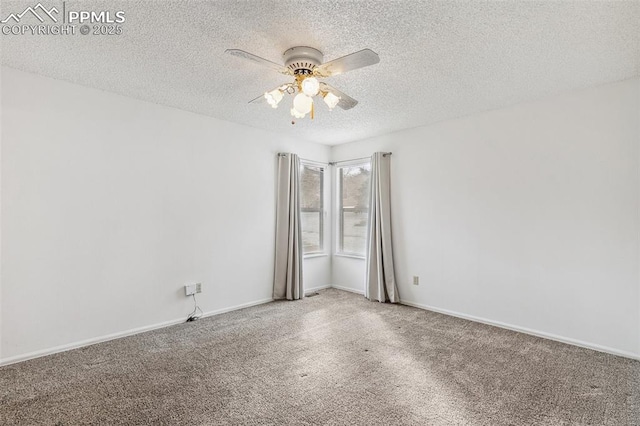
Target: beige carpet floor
[(332, 359)]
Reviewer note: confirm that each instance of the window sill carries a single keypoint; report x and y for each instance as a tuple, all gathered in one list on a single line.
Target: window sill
[(312, 255), (352, 256)]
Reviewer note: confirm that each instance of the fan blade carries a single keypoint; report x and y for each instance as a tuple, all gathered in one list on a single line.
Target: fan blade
[(284, 88), (356, 60), (346, 101), (260, 99), (258, 60)]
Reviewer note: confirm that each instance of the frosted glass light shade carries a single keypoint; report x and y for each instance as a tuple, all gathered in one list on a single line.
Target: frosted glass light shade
[(297, 114), (274, 97), (310, 86), (302, 103), (331, 100)]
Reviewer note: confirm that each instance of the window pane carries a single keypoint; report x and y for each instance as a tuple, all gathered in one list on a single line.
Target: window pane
[(311, 232), (354, 231), (355, 186), (354, 208), (311, 187), (310, 184)]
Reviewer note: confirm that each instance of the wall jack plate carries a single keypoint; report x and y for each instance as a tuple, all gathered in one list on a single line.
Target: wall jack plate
[(190, 289)]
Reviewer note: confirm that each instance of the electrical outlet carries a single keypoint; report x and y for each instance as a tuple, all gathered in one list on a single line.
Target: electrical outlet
[(190, 289), (416, 280)]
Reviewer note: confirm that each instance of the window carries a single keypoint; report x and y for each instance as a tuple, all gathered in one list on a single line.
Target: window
[(311, 206), (353, 208)]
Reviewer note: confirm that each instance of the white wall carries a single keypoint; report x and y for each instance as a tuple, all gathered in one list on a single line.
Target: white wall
[(110, 205), (347, 273), (526, 216)]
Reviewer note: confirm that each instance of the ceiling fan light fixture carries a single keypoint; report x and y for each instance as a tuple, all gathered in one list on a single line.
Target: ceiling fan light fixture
[(274, 97), (302, 103), (307, 68), (310, 86), (331, 100)]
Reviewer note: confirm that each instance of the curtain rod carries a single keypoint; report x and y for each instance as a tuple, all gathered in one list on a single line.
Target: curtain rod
[(384, 154), (284, 154)]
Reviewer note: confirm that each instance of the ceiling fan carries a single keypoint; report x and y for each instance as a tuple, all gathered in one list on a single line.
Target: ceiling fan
[(305, 65)]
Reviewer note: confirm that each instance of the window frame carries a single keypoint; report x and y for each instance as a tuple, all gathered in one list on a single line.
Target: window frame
[(339, 211), (320, 210)]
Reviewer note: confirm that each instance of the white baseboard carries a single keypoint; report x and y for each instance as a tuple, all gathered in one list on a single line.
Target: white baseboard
[(131, 332), (314, 289), (525, 330), (352, 290)]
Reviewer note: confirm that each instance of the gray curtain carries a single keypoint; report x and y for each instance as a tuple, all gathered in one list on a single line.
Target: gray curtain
[(287, 281), (380, 281)]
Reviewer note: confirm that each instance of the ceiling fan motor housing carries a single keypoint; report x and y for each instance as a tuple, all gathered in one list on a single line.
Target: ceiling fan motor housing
[(302, 59)]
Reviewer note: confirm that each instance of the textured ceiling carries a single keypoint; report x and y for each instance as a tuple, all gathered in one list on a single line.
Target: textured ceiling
[(438, 60)]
